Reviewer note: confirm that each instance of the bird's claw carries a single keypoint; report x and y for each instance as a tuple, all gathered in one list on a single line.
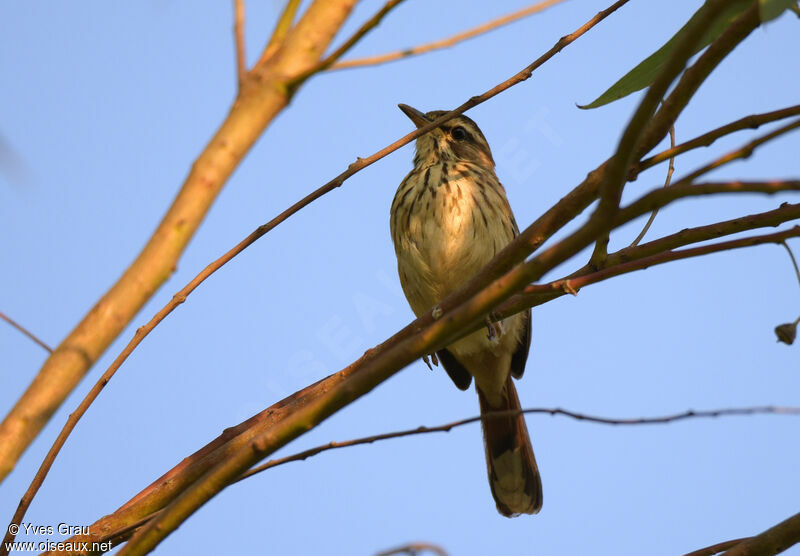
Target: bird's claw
[(432, 358), (494, 329)]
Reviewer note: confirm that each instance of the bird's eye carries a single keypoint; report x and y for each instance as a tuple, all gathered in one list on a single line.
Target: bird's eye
[(459, 133)]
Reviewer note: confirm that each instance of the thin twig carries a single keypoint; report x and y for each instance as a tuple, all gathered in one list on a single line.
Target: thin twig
[(238, 33), (754, 121), (794, 261), (743, 152), (448, 42), (25, 331), (716, 548), (691, 414), (282, 28), (670, 171), (574, 284), (365, 28)]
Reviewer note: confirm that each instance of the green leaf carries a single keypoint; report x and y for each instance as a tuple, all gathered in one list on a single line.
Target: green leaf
[(645, 73), (770, 9)]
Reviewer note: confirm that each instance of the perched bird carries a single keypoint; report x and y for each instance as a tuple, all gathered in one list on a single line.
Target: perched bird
[(449, 217)]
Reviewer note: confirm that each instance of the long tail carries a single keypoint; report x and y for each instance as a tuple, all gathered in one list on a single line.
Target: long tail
[(513, 474)]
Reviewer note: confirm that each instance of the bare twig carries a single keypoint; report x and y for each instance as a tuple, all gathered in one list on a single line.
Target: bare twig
[(794, 261), (670, 171), (772, 541), (448, 42), (574, 284), (414, 548), (753, 121), (25, 331), (691, 414), (716, 548), (367, 26), (238, 33), (742, 152), (282, 28)]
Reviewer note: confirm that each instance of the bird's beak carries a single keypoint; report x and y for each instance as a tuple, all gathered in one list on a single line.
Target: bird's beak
[(415, 115)]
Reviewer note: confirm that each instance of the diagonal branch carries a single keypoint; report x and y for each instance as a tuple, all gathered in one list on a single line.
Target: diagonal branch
[(753, 121), (743, 152), (119, 525), (449, 41), (424, 335), (772, 541), (27, 332), (716, 548)]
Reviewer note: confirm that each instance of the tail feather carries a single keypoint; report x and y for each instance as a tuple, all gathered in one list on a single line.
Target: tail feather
[(513, 473)]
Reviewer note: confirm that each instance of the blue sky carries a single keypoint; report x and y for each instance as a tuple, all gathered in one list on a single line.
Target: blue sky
[(106, 105)]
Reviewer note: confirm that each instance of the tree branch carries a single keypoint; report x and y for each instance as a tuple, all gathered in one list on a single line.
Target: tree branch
[(368, 25), (555, 411), (742, 152), (180, 297), (614, 179), (424, 335), (165, 488), (772, 541), (716, 548), (256, 106), (25, 331), (667, 181), (753, 121), (282, 28), (448, 42), (238, 33)]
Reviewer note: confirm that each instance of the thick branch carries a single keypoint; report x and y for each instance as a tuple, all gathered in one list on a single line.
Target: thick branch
[(716, 548), (448, 42), (394, 354), (772, 541)]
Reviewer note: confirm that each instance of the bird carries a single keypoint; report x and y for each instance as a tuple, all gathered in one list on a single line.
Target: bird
[(448, 219)]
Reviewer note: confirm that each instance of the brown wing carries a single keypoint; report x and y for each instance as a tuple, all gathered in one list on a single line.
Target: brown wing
[(523, 347), (455, 370)]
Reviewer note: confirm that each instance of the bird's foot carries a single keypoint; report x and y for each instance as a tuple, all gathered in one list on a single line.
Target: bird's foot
[(432, 358), (494, 329)]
